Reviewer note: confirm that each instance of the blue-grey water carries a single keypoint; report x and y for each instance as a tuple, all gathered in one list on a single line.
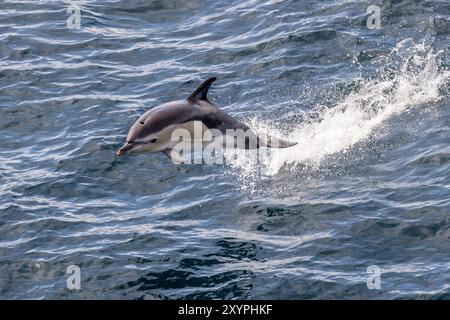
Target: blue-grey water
[(367, 185)]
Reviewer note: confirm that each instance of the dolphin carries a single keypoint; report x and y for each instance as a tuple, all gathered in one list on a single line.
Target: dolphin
[(152, 132)]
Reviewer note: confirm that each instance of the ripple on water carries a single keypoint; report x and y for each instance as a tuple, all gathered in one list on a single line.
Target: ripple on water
[(368, 183)]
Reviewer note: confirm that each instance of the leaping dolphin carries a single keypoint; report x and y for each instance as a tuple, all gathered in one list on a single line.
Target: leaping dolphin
[(152, 132)]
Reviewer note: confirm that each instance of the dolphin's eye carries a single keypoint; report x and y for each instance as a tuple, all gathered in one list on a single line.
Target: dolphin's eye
[(152, 140), (141, 122)]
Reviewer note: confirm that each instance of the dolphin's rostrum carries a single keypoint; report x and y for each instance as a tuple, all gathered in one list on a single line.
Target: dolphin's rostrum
[(152, 132)]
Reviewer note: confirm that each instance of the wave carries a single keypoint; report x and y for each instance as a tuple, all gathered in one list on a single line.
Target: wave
[(411, 78)]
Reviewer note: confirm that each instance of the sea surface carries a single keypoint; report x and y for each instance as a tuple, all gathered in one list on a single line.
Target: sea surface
[(359, 209)]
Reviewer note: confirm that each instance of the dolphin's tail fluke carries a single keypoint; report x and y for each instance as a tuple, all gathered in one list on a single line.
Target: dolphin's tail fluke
[(274, 142), (250, 140)]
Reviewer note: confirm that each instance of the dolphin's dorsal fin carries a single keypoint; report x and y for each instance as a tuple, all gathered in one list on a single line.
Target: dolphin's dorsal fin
[(202, 91)]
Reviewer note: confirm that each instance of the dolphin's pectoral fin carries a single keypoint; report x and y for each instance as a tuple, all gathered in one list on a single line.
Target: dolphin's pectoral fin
[(167, 153), (274, 142), (201, 92), (174, 156)]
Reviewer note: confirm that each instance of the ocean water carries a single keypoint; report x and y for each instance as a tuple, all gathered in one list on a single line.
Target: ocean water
[(367, 186)]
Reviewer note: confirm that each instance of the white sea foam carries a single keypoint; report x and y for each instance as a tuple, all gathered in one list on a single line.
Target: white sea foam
[(416, 83)]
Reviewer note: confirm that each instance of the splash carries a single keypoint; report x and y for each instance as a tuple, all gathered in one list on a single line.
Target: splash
[(416, 81)]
